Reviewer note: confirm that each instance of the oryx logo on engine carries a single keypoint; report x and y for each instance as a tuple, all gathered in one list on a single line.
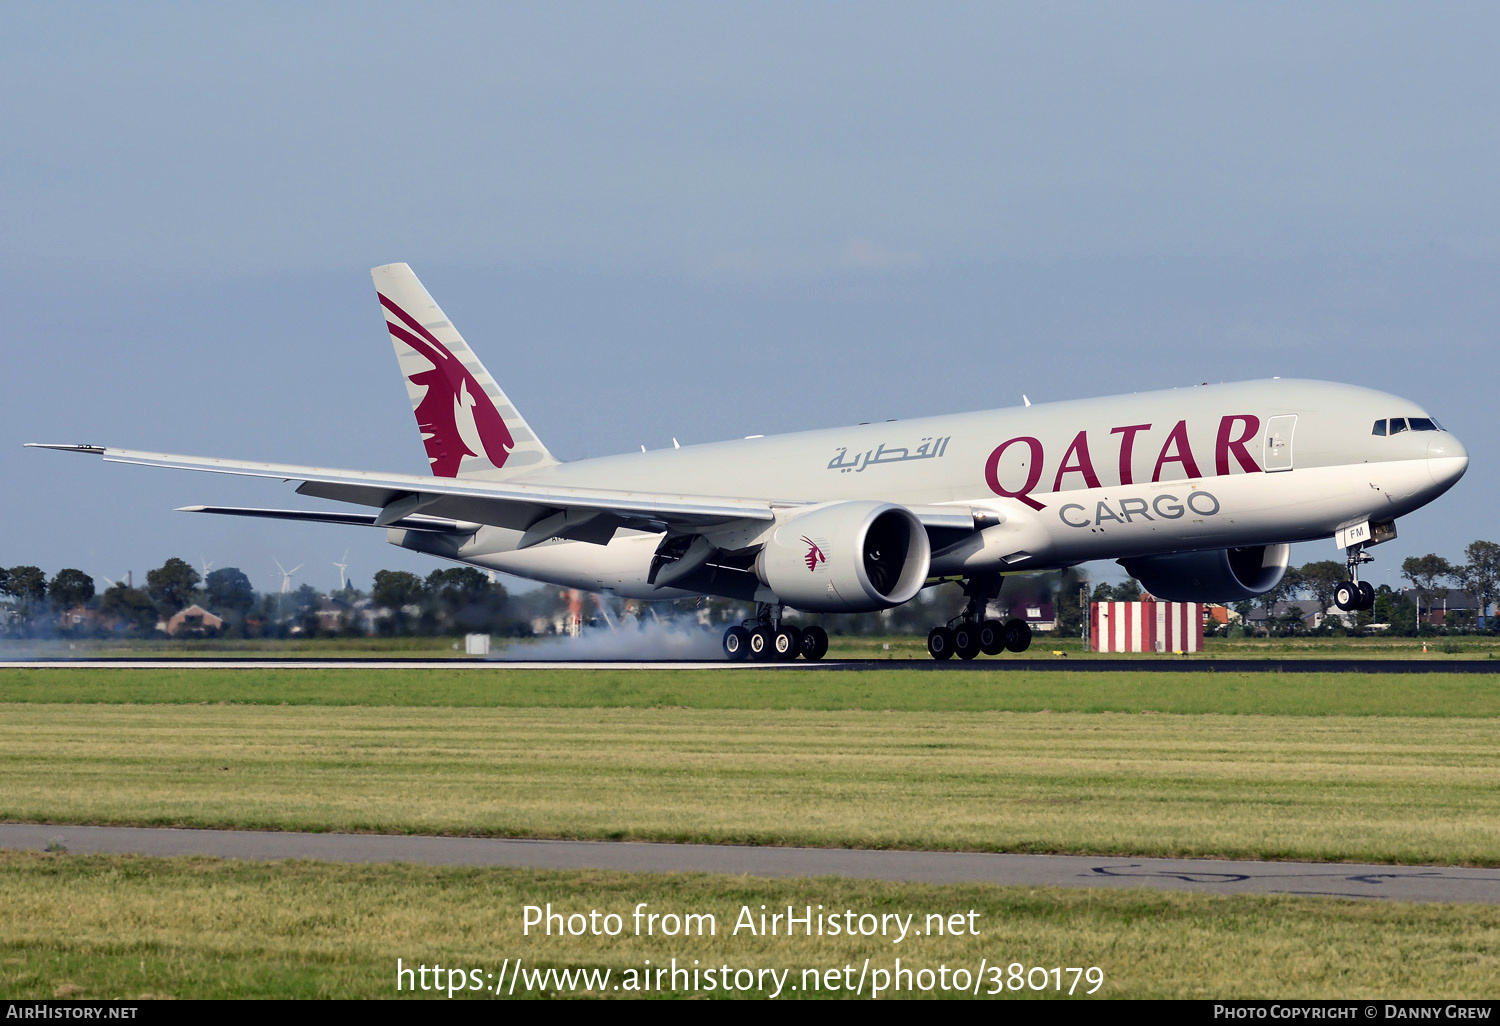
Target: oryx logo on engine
[(814, 554)]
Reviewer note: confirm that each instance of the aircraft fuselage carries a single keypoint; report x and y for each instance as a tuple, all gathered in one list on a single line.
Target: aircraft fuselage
[(1216, 466)]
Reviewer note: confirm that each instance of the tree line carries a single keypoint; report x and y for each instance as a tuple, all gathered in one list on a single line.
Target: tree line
[(462, 599), (70, 604)]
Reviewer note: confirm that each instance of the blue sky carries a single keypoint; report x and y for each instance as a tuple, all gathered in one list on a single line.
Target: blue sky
[(706, 221)]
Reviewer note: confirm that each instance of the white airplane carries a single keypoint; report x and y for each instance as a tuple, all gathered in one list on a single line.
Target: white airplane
[(1197, 492)]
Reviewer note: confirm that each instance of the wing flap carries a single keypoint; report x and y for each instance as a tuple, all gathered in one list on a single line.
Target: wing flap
[(415, 522)]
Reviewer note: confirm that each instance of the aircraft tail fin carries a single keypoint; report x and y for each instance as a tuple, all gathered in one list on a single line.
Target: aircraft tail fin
[(469, 426)]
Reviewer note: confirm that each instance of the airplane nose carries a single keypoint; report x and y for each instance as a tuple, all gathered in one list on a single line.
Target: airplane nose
[(1447, 459)]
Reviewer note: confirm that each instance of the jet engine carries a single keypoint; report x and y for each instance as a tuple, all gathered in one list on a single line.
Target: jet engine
[(1220, 575), (846, 557)]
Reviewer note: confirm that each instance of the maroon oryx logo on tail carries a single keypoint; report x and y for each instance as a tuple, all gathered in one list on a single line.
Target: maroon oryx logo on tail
[(455, 416), (814, 554)]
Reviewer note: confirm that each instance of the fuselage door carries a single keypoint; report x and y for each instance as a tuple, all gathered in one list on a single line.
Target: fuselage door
[(1278, 454)]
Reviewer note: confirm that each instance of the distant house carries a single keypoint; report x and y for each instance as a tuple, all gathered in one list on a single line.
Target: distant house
[(192, 621), (1305, 610), (1218, 616), (1450, 604), (1039, 614), (334, 614), (83, 620)]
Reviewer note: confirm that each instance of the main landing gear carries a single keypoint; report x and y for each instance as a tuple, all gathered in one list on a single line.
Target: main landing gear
[(1355, 595), (766, 637), (968, 634)]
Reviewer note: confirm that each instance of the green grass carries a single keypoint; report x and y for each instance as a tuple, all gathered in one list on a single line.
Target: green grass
[(1377, 789), (127, 927), (1367, 767), (497, 686)]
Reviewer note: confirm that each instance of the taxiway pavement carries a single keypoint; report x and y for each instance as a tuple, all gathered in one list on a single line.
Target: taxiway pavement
[(1402, 883)]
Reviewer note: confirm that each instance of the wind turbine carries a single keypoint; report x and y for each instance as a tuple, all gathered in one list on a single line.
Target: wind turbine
[(343, 577), (207, 566), (286, 575)]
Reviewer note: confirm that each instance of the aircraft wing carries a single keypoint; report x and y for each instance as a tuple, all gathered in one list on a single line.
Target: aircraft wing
[(510, 504), (414, 502)]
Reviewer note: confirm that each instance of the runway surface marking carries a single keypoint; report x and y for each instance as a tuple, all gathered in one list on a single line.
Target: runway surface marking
[(1402, 883)]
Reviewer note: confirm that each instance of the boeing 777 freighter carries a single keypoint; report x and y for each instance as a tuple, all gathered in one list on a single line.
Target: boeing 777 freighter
[(1197, 492)]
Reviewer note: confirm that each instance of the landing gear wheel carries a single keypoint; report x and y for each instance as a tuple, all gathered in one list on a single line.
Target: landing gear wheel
[(787, 643), (736, 644), (940, 643), (1346, 596), (966, 640), (992, 637), (1366, 595), (1017, 635), (814, 643), (761, 647)]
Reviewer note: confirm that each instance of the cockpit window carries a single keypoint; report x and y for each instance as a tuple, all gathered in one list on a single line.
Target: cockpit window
[(1396, 425)]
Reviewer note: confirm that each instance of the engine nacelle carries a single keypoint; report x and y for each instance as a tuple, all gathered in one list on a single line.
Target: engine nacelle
[(846, 557), (1221, 575)]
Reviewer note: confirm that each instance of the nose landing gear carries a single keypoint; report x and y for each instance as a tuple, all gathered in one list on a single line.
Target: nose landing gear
[(1355, 595)]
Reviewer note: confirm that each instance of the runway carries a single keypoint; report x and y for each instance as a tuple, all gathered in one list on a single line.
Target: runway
[(1055, 665), (1398, 883)]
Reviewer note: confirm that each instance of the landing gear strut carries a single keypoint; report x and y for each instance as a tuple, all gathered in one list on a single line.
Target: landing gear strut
[(766, 637), (968, 634), (1355, 595)]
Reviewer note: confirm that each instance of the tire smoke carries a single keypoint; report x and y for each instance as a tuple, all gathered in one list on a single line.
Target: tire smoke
[(631, 641)]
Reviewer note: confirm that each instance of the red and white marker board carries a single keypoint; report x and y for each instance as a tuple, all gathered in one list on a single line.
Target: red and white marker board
[(1146, 627)]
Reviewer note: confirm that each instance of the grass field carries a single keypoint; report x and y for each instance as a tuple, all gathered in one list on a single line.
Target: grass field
[(1366, 789), (1359, 767), (120, 926), (1260, 694)]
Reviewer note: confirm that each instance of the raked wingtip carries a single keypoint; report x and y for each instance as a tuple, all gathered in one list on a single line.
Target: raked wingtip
[(97, 450)]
